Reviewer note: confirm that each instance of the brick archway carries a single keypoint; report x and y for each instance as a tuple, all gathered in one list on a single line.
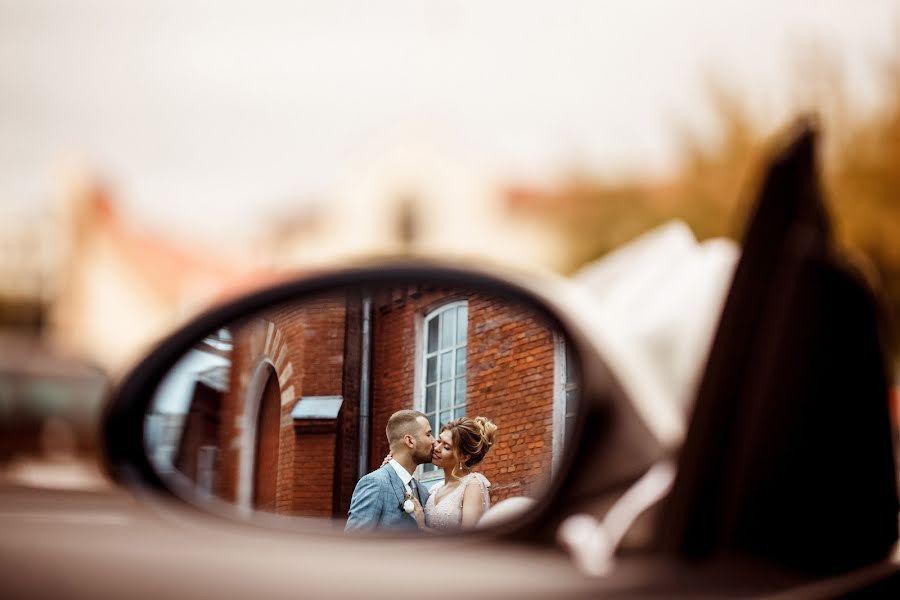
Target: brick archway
[(271, 377)]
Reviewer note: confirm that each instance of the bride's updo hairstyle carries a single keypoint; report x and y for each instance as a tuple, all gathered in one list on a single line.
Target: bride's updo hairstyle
[(472, 438)]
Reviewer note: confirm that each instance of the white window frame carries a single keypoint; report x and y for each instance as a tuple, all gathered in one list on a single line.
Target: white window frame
[(561, 387), (420, 375)]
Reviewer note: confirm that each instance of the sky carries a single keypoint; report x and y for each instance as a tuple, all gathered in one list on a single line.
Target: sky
[(206, 115), (174, 393)]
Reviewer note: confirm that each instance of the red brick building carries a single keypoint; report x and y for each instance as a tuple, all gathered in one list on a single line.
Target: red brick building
[(311, 386)]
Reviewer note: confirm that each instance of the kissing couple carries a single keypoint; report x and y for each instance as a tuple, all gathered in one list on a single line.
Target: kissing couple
[(390, 497)]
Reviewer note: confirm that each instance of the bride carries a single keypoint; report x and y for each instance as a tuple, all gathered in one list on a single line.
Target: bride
[(460, 500)]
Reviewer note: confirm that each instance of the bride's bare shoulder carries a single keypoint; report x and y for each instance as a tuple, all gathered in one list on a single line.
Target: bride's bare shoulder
[(475, 484), (476, 491), (477, 478)]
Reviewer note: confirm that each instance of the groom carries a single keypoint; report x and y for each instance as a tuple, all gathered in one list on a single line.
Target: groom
[(379, 497)]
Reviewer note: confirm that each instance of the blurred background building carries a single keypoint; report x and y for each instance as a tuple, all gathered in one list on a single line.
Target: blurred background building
[(220, 147)]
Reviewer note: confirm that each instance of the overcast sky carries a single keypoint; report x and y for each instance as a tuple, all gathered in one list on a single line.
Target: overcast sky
[(202, 112)]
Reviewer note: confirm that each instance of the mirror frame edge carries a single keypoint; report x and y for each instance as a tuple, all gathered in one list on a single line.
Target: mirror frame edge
[(123, 419)]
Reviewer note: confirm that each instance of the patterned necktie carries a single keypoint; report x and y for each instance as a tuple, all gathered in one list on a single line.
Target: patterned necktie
[(415, 489)]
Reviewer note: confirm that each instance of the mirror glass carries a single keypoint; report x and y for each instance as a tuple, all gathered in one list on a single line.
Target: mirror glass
[(286, 410)]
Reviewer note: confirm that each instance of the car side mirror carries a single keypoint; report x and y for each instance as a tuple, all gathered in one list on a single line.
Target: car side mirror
[(278, 403)]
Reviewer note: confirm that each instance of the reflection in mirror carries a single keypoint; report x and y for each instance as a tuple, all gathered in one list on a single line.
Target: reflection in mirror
[(286, 410)]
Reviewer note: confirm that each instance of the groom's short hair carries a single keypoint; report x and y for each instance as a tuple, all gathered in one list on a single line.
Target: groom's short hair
[(402, 422)]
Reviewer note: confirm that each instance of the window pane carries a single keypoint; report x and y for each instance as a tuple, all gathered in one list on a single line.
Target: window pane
[(447, 365), (433, 334), (570, 423), (446, 400), (460, 390), (430, 393), (446, 417), (571, 376), (428, 468), (448, 328), (571, 399), (460, 411), (462, 323), (461, 361), (435, 425), (431, 370)]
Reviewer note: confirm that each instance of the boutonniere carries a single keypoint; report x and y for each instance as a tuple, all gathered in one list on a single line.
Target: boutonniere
[(407, 505)]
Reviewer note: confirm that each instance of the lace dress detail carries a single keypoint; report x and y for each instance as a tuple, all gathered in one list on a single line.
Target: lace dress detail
[(447, 514)]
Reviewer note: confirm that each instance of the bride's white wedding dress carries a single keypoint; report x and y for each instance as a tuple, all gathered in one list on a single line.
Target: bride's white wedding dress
[(447, 514)]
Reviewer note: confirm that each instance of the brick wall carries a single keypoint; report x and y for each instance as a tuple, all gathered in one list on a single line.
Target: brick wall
[(246, 345), (510, 381), (321, 323), (510, 376), (346, 458), (394, 318), (314, 350), (303, 345), (314, 472)]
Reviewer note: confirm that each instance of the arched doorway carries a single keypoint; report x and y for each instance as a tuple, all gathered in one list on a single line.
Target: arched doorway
[(265, 466)]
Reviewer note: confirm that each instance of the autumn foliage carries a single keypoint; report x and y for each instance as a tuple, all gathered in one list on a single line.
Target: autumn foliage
[(712, 189)]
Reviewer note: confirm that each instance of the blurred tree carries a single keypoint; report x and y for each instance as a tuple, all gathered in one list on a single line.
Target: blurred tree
[(711, 191), (863, 181)]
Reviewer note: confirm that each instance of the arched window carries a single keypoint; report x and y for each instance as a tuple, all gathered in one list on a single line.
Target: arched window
[(443, 368)]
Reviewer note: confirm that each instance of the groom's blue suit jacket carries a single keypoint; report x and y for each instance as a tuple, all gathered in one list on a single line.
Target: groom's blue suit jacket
[(378, 502)]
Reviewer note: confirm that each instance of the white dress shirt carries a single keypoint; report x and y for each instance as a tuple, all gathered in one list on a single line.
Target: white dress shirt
[(405, 476)]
